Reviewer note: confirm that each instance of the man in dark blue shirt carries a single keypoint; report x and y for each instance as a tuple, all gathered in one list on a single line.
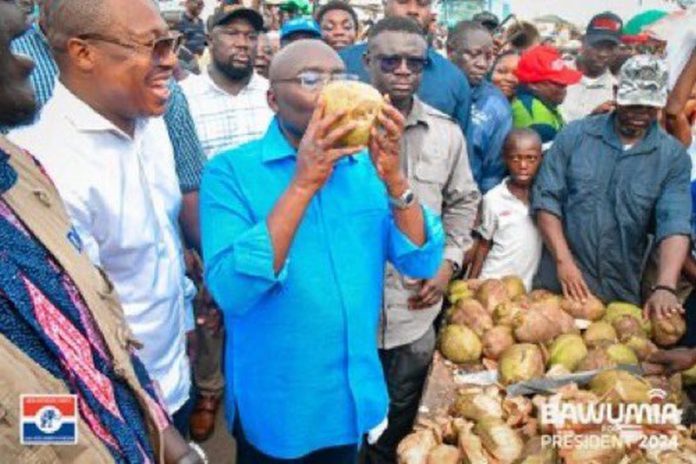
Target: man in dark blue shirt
[(605, 184), (470, 47), (191, 26), (444, 86)]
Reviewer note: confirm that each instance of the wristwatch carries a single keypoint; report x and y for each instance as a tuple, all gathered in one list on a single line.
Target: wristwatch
[(406, 200), (455, 266)]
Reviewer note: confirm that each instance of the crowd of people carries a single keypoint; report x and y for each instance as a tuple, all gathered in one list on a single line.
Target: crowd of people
[(181, 224)]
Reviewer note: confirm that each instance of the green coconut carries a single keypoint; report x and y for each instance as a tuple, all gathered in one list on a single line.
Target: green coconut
[(567, 350)]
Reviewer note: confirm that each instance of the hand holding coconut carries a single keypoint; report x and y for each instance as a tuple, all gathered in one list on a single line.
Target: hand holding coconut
[(320, 147)]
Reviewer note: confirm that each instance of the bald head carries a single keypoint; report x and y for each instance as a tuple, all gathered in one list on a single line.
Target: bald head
[(300, 55), (66, 19)]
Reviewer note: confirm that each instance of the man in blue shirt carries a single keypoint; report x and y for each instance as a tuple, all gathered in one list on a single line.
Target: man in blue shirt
[(605, 184), (470, 47), (296, 235), (443, 87), (188, 153)]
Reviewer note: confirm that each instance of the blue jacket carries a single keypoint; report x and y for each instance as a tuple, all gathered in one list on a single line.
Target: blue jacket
[(609, 200), (490, 123), (443, 87)]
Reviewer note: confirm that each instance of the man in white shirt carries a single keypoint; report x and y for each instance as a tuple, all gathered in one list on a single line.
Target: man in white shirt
[(100, 140), (594, 94), (228, 101)]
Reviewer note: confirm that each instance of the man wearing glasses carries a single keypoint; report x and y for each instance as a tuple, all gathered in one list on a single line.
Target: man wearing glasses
[(443, 86), (188, 154), (434, 158), (111, 160), (296, 234)]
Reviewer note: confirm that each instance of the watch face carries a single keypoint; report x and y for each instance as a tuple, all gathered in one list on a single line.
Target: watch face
[(409, 197)]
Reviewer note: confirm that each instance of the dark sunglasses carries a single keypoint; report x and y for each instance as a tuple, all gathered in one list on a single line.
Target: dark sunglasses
[(390, 63)]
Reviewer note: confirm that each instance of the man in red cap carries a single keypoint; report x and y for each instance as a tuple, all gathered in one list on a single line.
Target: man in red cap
[(544, 77)]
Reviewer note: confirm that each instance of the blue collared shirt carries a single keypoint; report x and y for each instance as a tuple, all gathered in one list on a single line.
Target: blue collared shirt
[(443, 86), (188, 153), (490, 123), (301, 358), (609, 199)]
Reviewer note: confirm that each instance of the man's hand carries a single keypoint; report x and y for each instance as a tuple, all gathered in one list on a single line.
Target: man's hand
[(572, 282), (317, 152), (606, 107), (208, 316), (432, 290), (661, 304), (192, 345), (675, 360), (385, 146)]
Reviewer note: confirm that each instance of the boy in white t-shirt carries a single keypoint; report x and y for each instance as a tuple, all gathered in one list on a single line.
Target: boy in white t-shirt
[(510, 243)]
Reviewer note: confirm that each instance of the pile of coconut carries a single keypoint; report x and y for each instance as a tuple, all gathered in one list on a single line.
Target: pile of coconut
[(525, 336)]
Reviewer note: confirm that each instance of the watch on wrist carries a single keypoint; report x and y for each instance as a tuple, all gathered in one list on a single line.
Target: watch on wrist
[(406, 200), (455, 266)]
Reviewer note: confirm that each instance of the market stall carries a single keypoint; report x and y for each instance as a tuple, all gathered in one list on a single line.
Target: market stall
[(535, 378)]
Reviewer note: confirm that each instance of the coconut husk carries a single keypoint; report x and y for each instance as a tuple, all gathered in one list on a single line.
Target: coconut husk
[(517, 410), (444, 454), (499, 439), (599, 333), (471, 447), (514, 286), (415, 447), (592, 309), (506, 312), (520, 362), (471, 313), (491, 293), (617, 386), (497, 340), (475, 404), (667, 331)]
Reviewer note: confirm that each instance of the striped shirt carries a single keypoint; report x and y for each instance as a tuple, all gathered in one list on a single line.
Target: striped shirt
[(225, 121), (188, 153)]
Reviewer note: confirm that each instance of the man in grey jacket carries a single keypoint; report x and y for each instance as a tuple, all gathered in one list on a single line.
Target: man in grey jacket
[(434, 157)]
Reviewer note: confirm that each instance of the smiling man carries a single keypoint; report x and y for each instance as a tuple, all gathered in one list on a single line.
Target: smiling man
[(606, 183), (103, 144)]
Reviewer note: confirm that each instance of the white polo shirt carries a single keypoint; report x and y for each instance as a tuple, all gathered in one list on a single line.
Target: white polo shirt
[(587, 95), (123, 197), (225, 121), (516, 242)]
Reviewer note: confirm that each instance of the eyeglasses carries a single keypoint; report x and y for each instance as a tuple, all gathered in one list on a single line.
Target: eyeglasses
[(314, 80), (158, 47), (390, 63)]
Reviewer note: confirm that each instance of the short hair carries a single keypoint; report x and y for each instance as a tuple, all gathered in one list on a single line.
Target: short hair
[(520, 133), (337, 5), (71, 18), (395, 24), (457, 36)]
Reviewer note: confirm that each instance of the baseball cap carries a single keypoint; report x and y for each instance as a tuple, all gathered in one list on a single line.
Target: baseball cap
[(303, 24), (604, 27), (544, 63), (487, 19), (643, 81), (227, 13)]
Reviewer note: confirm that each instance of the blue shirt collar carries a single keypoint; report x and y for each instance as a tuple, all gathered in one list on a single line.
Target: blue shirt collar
[(275, 145)]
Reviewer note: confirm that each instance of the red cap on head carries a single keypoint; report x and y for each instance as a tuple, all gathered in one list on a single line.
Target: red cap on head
[(544, 63)]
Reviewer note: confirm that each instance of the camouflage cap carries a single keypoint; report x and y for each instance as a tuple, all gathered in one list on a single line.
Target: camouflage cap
[(643, 81)]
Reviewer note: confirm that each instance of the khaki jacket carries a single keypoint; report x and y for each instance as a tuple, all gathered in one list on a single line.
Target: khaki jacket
[(434, 158), (36, 202)]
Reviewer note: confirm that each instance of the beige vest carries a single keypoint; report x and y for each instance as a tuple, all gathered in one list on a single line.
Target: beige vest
[(37, 203)]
